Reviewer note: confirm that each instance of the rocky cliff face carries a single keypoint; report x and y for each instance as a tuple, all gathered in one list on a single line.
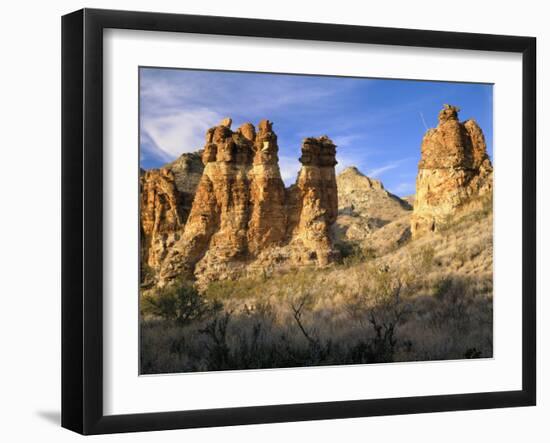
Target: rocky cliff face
[(166, 197), (454, 172), (242, 216), (162, 216), (187, 170)]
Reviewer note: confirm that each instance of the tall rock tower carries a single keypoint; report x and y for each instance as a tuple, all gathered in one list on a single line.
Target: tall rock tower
[(267, 225), (454, 171), (313, 200), (242, 212)]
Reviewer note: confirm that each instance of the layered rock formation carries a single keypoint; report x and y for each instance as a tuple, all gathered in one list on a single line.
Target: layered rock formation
[(267, 225), (166, 196), (242, 213), (454, 172), (187, 170), (162, 216), (313, 201)]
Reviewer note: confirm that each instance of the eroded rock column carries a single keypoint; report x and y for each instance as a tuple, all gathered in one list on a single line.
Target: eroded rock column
[(454, 171), (267, 226), (242, 216), (313, 200), (216, 230)]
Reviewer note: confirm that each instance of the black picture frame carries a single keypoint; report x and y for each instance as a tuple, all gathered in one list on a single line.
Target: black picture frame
[(82, 218)]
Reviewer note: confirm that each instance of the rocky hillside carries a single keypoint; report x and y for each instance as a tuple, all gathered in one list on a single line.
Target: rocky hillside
[(364, 208), (366, 197)]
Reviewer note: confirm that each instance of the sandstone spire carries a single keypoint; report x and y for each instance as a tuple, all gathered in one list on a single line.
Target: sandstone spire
[(242, 212), (219, 215), (313, 200), (454, 171), (267, 225)]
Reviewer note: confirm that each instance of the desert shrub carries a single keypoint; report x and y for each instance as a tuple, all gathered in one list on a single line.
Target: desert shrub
[(454, 321), (422, 259), (352, 253), (380, 310), (233, 289), (250, 346), (217, 347), (377, 312), (453, 295), (443, 287), (319, 350), (180, 303), (453, 289), (346, 249), (168, 347), (385, 318), (147, 275)]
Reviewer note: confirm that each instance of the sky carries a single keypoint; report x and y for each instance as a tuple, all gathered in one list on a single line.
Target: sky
[(377, 124)]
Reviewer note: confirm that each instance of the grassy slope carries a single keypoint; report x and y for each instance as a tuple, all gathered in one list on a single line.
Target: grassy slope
[(429, 298)]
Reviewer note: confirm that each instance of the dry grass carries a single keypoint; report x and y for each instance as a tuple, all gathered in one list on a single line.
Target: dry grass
[(428, 299)]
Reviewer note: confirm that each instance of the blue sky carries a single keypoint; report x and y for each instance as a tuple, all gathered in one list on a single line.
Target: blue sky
[(377, 124)]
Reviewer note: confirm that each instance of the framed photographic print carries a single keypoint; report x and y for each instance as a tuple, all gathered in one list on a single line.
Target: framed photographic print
[(269, 221)]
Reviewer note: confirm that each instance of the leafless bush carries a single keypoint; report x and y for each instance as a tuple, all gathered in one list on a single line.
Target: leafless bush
[(388, 315), (319, 350), (217, 348)]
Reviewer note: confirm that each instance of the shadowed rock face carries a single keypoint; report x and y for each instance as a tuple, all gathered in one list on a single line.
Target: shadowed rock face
[(241, 211), (187, 170), (453, 172), (166, 198), (162, 215)]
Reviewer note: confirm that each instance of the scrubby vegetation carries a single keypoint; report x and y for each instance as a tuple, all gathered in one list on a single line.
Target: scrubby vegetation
[(430, 299)]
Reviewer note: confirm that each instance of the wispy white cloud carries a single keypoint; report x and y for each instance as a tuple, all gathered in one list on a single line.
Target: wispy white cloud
[(177, 107), (381, 170), (150, 151), (180, 132), (377, 172), (374, 129), (232, 91), (346, 140)]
